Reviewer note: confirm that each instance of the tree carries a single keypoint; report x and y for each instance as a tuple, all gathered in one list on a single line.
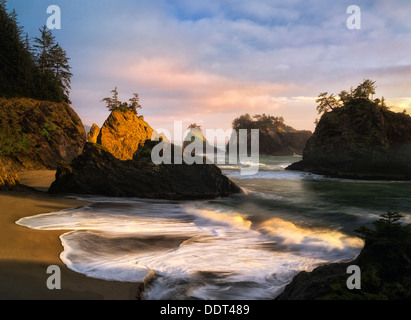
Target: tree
[(61, 68), (113, 103), (194, 126), (44, 45), (326, 103), (134, 103), (386, 226), (365, 89)]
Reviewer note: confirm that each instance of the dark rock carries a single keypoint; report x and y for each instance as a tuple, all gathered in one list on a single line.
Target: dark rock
[(276, 143), (360, 141), (96, 171)]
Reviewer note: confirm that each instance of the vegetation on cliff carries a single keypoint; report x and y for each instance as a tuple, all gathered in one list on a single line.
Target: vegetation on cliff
[(385, 264), (38, 134), (359, 137), (40, 71), (114, 103)]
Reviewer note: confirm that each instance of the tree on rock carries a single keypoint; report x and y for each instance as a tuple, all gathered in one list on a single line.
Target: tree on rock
[(363, 91), (114, 103)]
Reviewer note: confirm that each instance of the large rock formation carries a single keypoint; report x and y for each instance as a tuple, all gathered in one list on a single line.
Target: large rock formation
[(97, 171), (123, 132), (38, 134), (361, 140)]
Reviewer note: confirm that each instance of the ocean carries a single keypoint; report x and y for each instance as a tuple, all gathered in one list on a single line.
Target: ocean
[(246, 246)]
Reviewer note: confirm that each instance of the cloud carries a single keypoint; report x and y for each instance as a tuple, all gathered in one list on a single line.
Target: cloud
[(213, 60)]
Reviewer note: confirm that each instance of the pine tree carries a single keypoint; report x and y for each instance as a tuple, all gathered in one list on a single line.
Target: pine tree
[(134, 103), (44, 45), (61, 68), (113, 103)]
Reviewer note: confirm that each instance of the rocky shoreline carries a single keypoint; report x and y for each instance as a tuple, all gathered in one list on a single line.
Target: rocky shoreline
[(384, 264)]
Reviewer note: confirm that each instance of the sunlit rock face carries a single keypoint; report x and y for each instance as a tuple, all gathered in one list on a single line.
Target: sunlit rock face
[(123, 132)]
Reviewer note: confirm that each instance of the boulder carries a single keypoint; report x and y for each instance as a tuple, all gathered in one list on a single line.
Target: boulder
[(97, 171)]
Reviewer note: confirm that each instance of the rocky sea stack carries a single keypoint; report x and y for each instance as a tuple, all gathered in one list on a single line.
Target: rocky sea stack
[(274, 136), (360, 140), (105, 168)]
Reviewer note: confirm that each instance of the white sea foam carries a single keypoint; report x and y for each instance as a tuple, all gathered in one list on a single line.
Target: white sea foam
[(215, 241)]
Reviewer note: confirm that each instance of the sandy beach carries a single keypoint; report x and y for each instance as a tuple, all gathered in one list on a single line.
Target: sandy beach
[(25, 254)]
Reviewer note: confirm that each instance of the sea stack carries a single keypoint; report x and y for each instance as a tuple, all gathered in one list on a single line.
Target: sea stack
[(120, 165), (360, 140)]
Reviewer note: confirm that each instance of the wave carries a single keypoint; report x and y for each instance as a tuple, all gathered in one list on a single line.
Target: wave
[(205, 251)]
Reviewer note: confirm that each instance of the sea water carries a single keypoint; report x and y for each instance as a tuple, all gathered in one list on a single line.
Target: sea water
[(246, 246)]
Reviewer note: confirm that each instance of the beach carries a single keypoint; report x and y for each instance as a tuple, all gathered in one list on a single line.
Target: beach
[(25, 254)]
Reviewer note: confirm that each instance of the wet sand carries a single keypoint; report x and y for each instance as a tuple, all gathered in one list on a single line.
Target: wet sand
[(25, 253)]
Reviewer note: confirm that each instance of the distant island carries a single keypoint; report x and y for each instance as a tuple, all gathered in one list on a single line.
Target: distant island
[(275, 137), (358, 137)]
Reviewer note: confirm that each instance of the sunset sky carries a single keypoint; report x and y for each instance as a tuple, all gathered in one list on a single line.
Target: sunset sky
[(210, 61)]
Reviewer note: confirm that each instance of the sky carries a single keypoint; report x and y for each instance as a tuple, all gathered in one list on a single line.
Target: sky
[(208, 62)]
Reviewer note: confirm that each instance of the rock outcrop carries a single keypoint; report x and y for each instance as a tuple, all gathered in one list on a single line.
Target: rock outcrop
[(38, 134), (96, 171), (123, 132), (360, 140), (93, 133)]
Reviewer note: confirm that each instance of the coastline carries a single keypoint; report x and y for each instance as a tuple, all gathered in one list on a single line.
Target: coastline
[(25, 253)]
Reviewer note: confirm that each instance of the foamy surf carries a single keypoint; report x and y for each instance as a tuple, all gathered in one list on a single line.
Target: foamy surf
[(192, 249)]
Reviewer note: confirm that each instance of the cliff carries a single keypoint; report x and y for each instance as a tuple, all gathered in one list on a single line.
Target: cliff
[(361, 140), (38, 134)]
